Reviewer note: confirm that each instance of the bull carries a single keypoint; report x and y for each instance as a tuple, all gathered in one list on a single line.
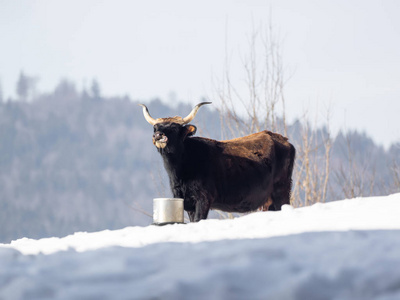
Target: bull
[(238, 175)]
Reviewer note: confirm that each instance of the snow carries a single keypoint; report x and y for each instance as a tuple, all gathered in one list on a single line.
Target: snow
[(347, 249)]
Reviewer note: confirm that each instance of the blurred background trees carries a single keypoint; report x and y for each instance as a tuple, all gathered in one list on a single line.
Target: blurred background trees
[(69, 162), (26, 87)]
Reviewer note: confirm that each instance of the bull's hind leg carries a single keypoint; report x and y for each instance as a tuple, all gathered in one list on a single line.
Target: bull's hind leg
[(267, 205), (282, 189), (280, 195)]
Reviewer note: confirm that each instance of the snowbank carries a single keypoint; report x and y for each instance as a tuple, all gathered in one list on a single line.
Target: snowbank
[(347, 249)]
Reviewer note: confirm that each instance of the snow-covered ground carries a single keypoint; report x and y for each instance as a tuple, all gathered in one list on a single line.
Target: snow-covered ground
[(347, 249)]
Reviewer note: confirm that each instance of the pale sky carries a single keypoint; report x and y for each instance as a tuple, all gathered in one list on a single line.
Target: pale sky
[(342, 54)]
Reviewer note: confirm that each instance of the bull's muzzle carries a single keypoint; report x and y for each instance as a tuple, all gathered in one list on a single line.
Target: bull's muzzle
[(160, 140)]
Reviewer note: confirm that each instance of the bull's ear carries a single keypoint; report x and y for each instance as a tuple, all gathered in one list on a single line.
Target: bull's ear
[(190, 130)]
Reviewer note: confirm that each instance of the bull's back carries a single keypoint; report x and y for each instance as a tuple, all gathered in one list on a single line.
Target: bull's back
[(245, 172)]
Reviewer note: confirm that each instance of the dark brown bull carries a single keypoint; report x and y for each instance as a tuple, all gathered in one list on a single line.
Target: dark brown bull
[(238, 175)]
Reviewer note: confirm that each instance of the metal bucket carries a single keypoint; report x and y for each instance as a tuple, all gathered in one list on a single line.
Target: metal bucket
[(167, 211)]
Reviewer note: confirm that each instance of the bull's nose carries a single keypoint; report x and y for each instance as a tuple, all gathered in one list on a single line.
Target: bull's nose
[(158, 136)]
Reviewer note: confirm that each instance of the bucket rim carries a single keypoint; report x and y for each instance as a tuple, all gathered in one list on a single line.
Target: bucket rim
[(168, 199)]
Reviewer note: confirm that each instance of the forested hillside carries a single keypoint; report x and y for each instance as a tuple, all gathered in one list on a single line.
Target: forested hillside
[(76, 161), (70, 162)]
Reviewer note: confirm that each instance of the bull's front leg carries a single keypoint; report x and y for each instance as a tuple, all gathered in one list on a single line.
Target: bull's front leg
[(202, 208), (197, 206), (191, 215), (190, 207)]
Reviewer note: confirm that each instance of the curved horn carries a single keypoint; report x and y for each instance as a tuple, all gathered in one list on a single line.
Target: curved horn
[(147, 115), (193, 113)]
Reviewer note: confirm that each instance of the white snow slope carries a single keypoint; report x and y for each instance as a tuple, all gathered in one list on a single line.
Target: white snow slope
[(347, 249)]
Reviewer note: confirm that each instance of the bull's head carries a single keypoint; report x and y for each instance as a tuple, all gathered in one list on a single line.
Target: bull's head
[(173, 130)]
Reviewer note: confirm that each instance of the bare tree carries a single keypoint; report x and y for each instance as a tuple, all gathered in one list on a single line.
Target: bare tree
[(312, 168), (251, 107), (261, 105)]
